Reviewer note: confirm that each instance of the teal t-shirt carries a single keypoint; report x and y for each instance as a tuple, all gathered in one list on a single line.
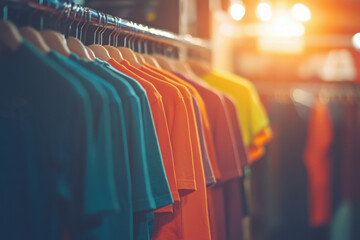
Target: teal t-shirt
[(142, 197), (112, 223), (100, 192), (45, 141)]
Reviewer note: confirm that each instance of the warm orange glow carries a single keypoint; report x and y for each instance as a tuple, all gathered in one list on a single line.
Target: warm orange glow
[(280, 44), (285, 27)]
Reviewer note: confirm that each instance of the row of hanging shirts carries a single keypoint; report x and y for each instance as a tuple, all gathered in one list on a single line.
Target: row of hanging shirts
[(107, 143)]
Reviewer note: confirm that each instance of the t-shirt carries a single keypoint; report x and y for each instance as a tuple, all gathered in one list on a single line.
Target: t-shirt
[(230, 108), (204, 117), (162, 130), (159, 184), (318, 164), (226, 152), (121, 165), (208, 135), (209, 174), (201, 121), (143, 200), (44, 148), (178, 123), (169, 226), (142, 196), (252, 117), (225, 205), (194, 206)]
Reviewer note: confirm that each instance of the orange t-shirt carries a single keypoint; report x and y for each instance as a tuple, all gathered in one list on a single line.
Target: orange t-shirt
[(178, 123), (222, 132), (194, 206), (318, 164), (206, 125), (169, 226), (161, 126)]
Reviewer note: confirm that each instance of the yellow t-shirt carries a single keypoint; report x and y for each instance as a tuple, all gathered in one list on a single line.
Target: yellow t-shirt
[(252, 116)]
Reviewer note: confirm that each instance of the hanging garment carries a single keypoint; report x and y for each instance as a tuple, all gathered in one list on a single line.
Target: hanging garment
[(318, 164), (105, 150), (194, 206), (252, 118), (286, 199), (162, 129), (55, 149)]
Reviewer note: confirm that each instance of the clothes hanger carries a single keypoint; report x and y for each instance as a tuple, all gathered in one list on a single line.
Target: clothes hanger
[(181, 67), (136, 42), (113, 51), (164, 63), (56, 40), (75, 45), (139, 57), (33, 36), (99, 51), (10, 36), (151, 60), (81, 35), (91, 53), (148, 58), (128, 54), (199, 67)]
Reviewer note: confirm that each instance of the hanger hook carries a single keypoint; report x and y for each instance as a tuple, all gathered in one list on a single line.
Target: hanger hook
[(104, 28), (81, 36), (5, 12), (118, 32), (99, 14), (116, 28), (81, 10), (61, 15), (73, 20), (112, 32), (100, 28), (70, 9)]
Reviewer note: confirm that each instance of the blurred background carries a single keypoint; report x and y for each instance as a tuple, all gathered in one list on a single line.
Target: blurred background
[(259, 38)]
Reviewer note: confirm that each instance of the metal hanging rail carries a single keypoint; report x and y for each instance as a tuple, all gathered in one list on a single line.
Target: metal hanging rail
[(112, 22)]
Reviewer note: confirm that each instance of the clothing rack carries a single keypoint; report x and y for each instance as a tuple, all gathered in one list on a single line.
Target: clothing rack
[(306, 93), (335, 88), (106, 21)]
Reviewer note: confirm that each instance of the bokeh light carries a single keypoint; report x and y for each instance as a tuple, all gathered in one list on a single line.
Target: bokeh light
[(237, 11), (264, 11), (301, 12)]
